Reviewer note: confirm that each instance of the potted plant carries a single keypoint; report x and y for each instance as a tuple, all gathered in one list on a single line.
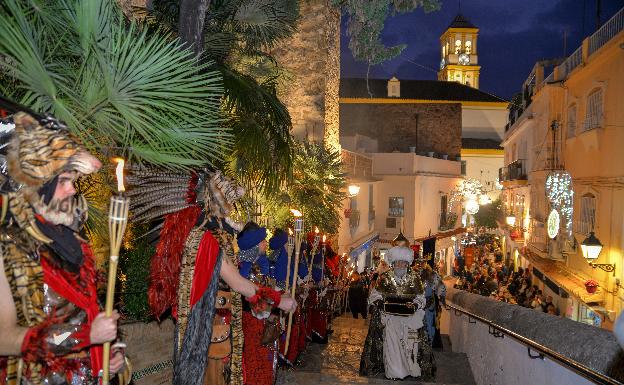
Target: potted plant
[(591, 286)]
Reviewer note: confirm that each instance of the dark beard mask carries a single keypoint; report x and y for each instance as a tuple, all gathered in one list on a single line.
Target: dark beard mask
[(62, 219), (70, 212)]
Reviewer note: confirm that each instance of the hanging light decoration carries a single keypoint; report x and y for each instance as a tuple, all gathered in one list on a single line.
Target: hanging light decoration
[(472, 206), (560, 194), (484, 199)]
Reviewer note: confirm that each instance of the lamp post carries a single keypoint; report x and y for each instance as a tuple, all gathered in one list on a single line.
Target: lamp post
[(354, 190), (591, 248)]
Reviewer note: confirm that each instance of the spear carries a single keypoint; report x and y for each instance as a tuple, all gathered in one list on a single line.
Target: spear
[(298, 232)]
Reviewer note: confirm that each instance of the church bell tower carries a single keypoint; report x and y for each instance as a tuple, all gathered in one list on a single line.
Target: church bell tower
[(458, 48)]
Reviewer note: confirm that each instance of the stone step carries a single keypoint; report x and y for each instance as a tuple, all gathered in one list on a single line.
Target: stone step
[(338, 362)]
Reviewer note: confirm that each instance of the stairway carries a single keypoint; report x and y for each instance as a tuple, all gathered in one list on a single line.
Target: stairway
[(338, 362)]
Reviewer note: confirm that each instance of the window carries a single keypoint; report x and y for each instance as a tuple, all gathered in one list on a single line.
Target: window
[(587, 215), (391, 223), (395, 206), (593, 111), (468, 47), (571, 121), (458, 47)]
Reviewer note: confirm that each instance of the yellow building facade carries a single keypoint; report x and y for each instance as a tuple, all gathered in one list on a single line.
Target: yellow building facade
[(570, 127)]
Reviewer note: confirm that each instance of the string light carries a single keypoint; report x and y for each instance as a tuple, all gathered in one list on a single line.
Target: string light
[(560, 194)]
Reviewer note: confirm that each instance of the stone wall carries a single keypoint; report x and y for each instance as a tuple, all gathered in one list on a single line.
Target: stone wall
[(311, 61), (149, 345), (430, 127)]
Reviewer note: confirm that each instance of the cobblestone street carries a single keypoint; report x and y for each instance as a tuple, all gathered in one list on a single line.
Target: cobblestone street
[(338, 362)]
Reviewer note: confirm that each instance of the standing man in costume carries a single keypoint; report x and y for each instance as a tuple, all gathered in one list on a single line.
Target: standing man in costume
[(435, 294), (195, 271), (259, 354), (397, 323), (51, 327)]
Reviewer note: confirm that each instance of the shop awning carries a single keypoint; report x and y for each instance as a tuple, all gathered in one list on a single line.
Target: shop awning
[(363, 246), (561, 280)]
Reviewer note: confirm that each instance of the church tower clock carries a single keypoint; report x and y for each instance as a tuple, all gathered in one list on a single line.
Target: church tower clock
[(458, 47)]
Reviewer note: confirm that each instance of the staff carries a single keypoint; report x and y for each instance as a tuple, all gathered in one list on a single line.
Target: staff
[(298, 232), (117, 221)]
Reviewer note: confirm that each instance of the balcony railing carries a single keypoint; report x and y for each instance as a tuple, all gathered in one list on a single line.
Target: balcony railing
[(356, 165), (515, 170), (571, 63), (607, 32)]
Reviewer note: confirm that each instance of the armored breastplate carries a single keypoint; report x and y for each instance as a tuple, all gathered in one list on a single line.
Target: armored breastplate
[(408, 286)]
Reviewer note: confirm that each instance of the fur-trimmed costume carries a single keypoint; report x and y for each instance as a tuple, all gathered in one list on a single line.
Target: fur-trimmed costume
[(49, 267)]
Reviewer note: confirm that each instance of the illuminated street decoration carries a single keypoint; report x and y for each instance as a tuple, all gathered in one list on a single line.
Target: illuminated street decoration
[(560, 194), (553, 224), (472, 206)]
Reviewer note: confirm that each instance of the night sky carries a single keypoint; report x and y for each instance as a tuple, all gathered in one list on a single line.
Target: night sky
[(513, 35)]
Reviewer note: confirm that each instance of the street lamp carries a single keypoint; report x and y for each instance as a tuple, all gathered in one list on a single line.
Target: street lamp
[(511, 220), (591, 248), (354, 190)]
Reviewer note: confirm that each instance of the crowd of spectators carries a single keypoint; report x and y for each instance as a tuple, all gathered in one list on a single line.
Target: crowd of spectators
[(489, 276)]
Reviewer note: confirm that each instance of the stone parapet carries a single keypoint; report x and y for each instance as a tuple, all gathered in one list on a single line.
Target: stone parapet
[(587, 345)]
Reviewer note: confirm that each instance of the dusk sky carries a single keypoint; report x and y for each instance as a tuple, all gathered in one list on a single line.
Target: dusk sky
[(513, 35)]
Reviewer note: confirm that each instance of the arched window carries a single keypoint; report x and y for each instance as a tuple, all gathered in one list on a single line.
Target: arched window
[(458, 45), (587, 217), (593, 110), (468, 48)]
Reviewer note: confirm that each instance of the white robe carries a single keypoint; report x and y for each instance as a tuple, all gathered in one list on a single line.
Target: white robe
[(400, 346)]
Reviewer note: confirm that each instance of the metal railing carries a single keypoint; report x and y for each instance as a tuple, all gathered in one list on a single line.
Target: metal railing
[(606, 32), (498, 331), (515, 170), (573, 61), (356, 165)]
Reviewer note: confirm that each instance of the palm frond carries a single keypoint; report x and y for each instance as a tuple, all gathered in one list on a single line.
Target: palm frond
[(122, 89)]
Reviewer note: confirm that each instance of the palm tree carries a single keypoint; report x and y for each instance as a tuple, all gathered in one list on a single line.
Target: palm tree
[(237, 37), (123, 90)]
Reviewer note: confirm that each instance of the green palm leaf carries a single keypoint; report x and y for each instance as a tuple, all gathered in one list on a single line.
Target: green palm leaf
[(123, 90)]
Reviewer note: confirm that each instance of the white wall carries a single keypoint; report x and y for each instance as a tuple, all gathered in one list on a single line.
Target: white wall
[(402, 163), (484, 122), (349, 237), (502, 361), (484, 168)]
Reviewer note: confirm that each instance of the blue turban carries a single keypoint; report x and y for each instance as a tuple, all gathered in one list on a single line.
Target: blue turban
[(280, 263), (250, 238), (249, 253), (278, 240)]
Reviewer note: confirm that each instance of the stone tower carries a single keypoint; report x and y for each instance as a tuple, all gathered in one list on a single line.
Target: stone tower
[(311, 60), (458, 49)]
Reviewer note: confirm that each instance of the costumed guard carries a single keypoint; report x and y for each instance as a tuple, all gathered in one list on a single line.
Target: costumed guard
[(317, 311), (397, 342), (52, 329), (435, 295), (195, 249), (260, 328)]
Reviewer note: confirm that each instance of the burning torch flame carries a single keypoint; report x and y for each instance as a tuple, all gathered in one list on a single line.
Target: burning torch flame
[(290, 232), (316, 230), (296, 213), (119, 174), (324, 237)]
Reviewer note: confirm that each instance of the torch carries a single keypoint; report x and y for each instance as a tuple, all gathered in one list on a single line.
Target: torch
[(317, 237), (117, 220), (323, 259), (289, 249), (298, 233)]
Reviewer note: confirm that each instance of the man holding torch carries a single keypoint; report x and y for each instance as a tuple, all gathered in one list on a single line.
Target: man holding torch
[(51, 326)]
